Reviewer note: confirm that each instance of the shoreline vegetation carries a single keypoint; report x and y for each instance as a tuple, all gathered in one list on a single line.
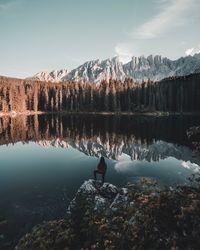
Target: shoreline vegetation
[(174, 95)]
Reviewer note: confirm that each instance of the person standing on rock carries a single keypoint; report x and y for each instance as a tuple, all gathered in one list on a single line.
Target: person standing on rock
[(101, 169)]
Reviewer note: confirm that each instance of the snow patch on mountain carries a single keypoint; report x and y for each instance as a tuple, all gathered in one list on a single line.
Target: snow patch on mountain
[(97, 71), (52, 76)]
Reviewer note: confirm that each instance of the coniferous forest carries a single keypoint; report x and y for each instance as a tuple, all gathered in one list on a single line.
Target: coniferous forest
[(175, 94)]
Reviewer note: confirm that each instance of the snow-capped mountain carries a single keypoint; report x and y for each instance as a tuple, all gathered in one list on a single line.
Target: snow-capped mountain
[(139, 68), (53, 76), (96, 71)]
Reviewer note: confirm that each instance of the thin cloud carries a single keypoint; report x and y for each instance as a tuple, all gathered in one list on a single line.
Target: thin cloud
[(4, 5), (173, 13), (123, 51), (192, 51), (8, 4)]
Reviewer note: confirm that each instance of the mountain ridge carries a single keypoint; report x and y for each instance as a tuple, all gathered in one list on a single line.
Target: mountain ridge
[(139, 69)]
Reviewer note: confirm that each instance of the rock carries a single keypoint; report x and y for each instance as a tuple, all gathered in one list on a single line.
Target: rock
[(193, 134), (100, 203), (120, 201), (96, 196)]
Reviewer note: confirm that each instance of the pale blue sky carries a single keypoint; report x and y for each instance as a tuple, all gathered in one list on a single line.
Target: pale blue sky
[(40, 35)]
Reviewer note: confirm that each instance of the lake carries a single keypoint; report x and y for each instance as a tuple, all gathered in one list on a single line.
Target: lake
[(45, 159)]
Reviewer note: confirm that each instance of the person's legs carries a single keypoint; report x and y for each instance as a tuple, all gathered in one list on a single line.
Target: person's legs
[(98, 172), (103, 177), (95, 174)]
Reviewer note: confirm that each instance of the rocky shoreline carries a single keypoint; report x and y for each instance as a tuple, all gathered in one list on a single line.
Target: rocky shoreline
[(138, 216)]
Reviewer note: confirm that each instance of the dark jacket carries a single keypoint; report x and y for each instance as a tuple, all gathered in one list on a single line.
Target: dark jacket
[(102, 167)]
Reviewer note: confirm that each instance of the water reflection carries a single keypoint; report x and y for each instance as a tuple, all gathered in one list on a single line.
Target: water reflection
[(140, 138), (44, 160)]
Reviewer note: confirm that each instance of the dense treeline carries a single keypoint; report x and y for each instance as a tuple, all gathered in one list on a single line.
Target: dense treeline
[(181, 94)]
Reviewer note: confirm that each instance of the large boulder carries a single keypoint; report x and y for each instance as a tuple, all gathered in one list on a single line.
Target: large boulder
[(98, 197)]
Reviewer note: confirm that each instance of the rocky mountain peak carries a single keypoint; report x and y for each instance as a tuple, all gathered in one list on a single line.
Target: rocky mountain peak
[(139, 68)]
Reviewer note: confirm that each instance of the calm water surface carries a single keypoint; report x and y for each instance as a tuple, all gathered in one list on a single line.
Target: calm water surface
[(44, 159)]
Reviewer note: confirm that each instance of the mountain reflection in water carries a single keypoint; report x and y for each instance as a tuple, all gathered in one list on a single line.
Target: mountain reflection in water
[(142, 138)]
